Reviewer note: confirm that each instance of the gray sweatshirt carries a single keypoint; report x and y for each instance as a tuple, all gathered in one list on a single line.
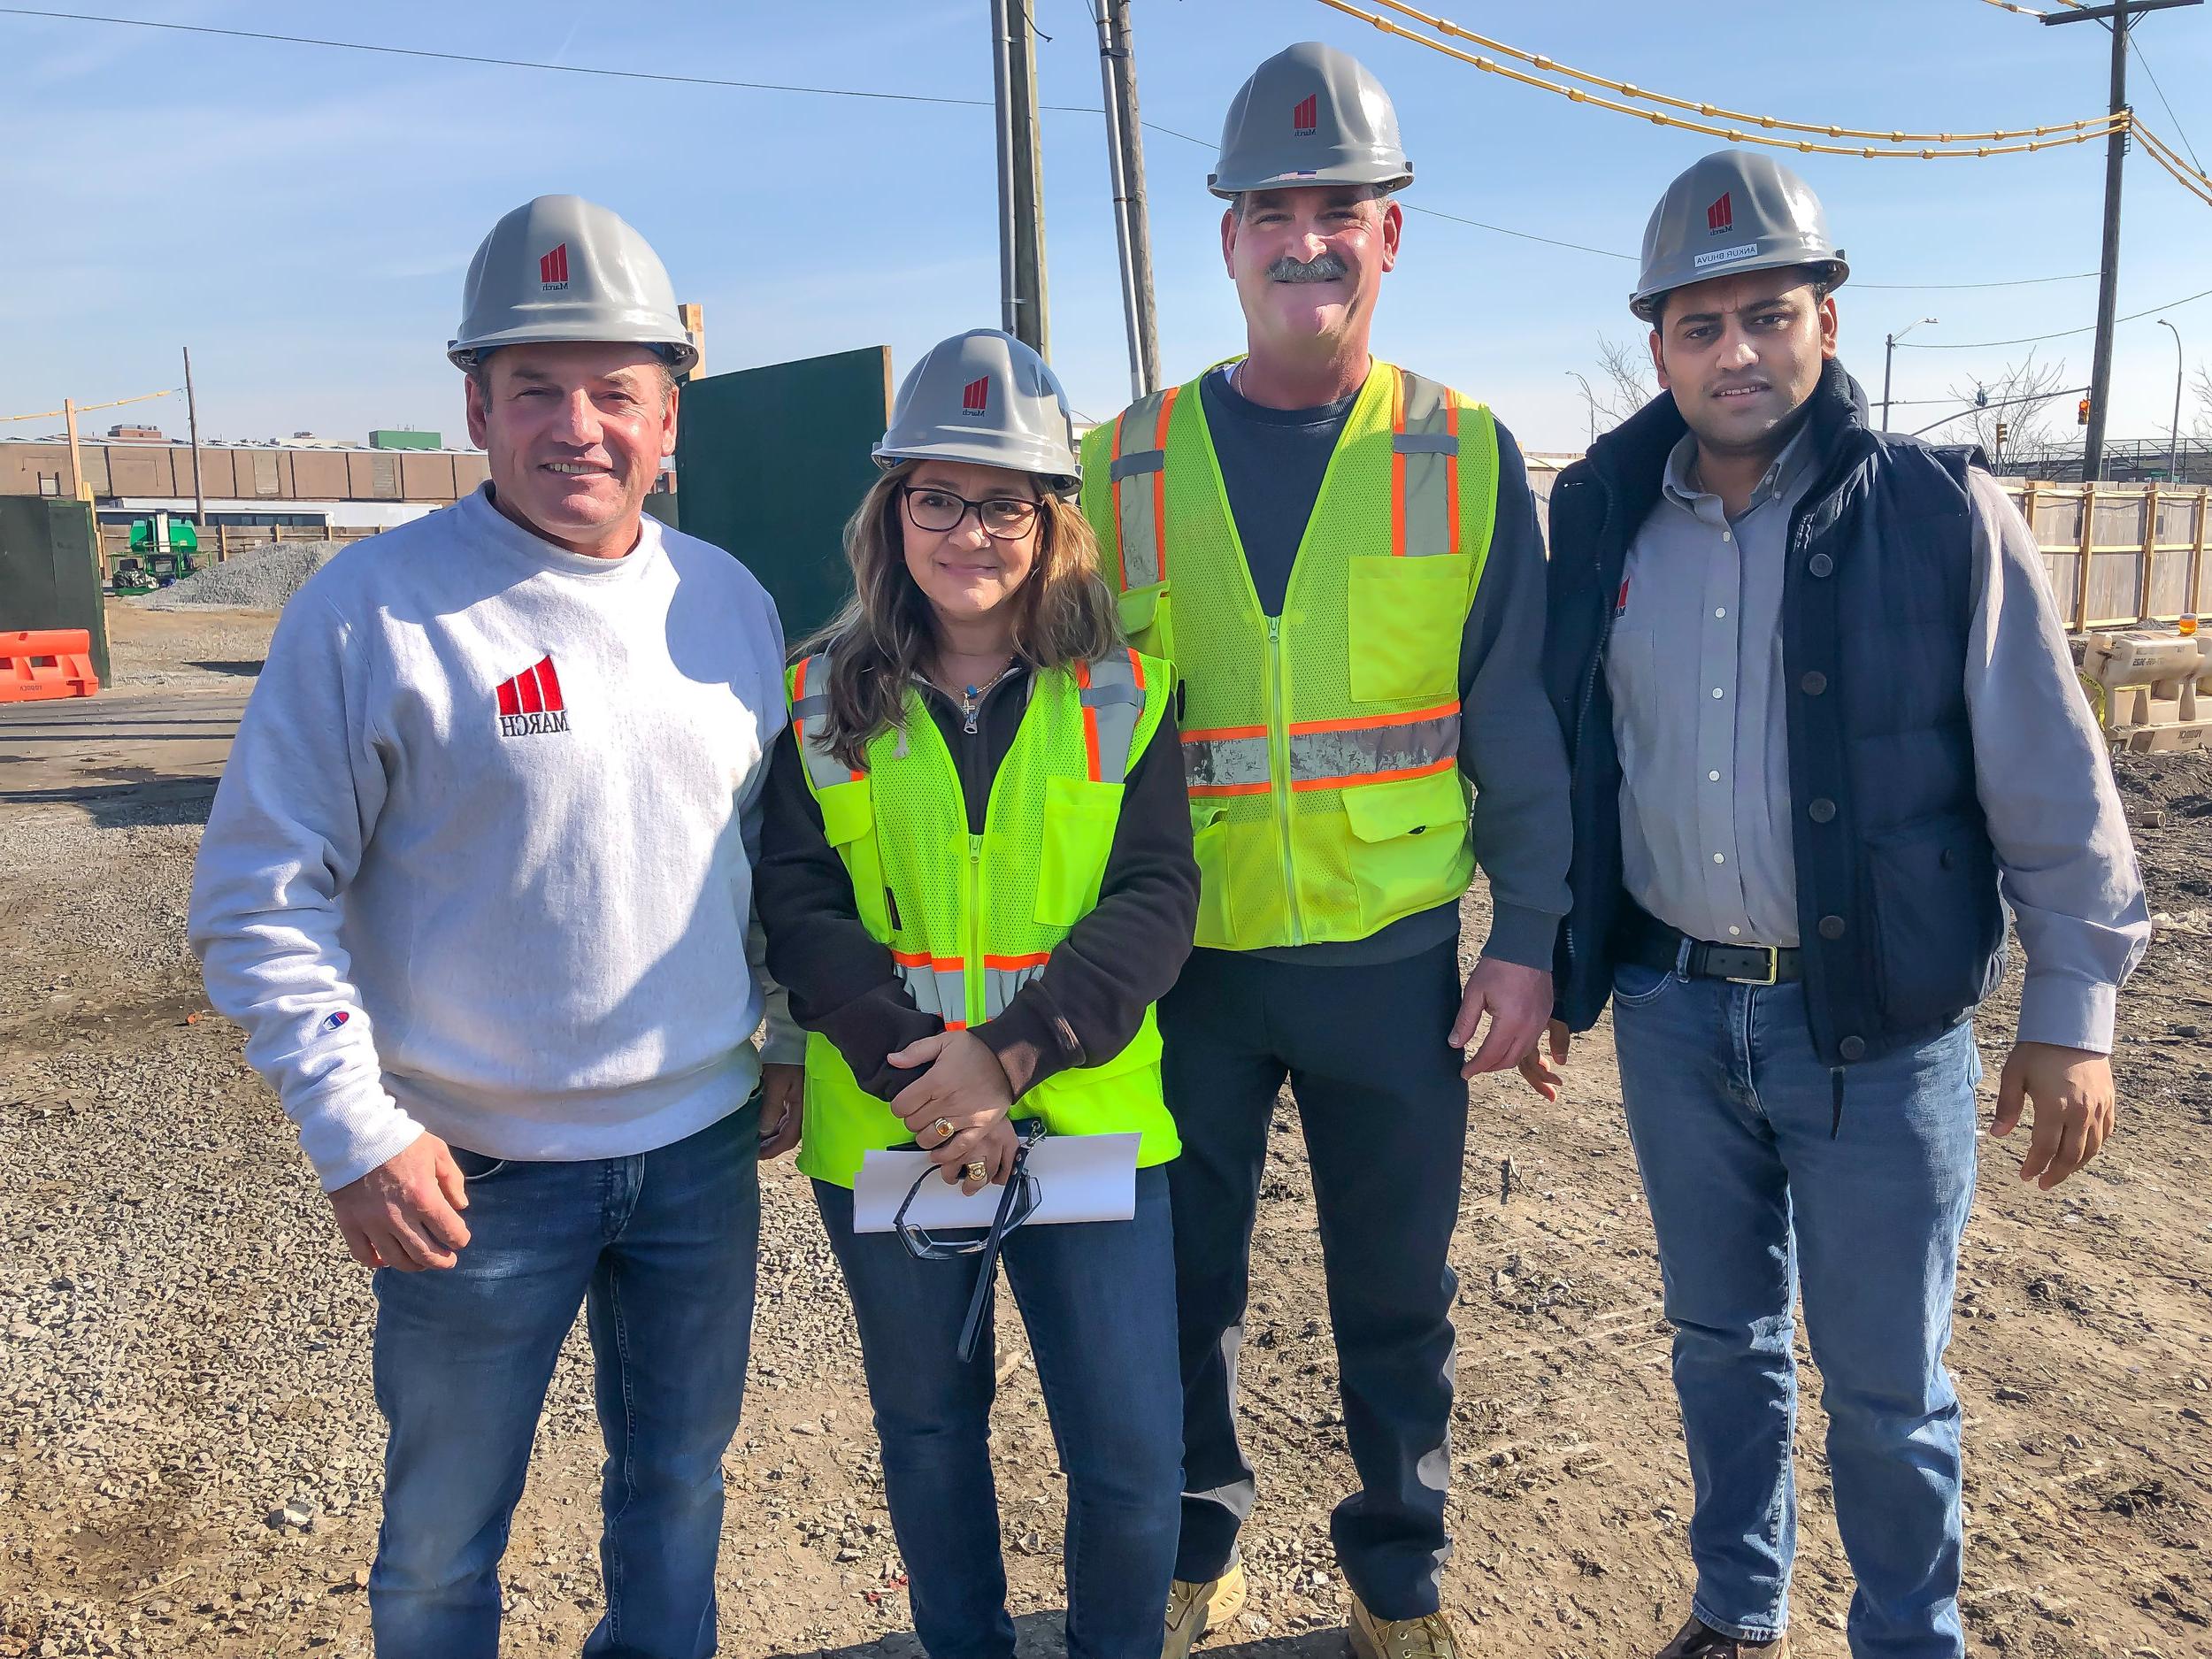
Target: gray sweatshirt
[(481, 860)]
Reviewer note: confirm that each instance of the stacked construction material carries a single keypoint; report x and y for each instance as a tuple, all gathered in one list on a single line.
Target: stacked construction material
[(2144, 683), (261, 580)]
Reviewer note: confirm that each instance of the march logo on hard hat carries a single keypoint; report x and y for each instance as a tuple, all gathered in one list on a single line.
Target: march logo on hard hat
[(1720, 218), (1305, 120), (975, 397), (553, 268)]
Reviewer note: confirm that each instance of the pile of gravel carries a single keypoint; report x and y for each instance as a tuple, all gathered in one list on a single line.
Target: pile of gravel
[(260, 580)]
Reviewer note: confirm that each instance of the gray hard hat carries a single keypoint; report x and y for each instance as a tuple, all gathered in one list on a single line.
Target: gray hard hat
[(563, 268), (1310, 115), (985, 397), (1734, 211)]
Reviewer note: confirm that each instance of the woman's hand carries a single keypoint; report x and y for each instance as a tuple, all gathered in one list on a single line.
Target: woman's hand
[(994, 1152), (951, 1106), (782, 1108)]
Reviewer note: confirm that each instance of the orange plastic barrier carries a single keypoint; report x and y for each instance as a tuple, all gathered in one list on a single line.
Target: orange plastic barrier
[(41, 663)]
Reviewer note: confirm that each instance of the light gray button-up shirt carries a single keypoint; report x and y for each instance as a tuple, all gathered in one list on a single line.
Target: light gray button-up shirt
[(1695, 672)]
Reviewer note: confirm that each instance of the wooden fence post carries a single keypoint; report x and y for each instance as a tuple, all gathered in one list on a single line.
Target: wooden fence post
[(2088, 541)]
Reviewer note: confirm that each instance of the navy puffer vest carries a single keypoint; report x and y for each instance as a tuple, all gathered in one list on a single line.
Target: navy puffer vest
[(1898, 911)]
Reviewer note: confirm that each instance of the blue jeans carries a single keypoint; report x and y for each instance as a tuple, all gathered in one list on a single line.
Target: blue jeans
[(659, 1249), (1098, 1299), (1730, 1112)]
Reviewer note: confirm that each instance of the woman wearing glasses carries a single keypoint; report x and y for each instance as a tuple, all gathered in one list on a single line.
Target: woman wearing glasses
[(976, 880)]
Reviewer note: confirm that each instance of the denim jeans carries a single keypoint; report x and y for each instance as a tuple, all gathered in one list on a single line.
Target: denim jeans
[(1754, 1187), (659, 1249), (1098, 1299)]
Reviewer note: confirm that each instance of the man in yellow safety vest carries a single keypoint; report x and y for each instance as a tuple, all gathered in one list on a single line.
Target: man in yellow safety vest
[(1342, 559)]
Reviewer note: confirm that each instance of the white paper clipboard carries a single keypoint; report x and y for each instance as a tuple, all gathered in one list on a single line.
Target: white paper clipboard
[(1079, 1177)]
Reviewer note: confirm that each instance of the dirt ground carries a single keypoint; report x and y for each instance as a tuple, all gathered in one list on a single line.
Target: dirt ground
[(189, 1449)]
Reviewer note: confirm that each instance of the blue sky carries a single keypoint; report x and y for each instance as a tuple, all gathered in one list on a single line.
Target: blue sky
[(303, 217)]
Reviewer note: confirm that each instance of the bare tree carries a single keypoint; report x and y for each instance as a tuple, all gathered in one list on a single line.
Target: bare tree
[(2200, 428), (2024, 397), (1624, 384)]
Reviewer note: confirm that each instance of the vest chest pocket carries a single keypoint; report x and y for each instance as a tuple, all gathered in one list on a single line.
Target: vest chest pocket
[(1406, 617), (1146, 620), (1407, 837), (1210, 846), (1079, 834), (849, 824)]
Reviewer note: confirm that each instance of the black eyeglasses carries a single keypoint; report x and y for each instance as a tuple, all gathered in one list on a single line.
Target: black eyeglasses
[(1015, 1205), (1003, 517)]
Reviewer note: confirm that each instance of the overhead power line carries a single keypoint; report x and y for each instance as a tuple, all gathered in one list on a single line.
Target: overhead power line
[(2143, 58), (851, 92), (1629, 89), (2064, 334), (2069, 132)]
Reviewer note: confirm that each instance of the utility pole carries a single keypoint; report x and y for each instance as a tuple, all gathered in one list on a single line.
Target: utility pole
[(2120, 16), (192, 419), (77, 490), (1889, 361), (1125, 159), (1021, 206)]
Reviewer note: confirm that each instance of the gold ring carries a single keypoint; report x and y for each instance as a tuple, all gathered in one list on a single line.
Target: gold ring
[(978, 1171), (942, 1130)]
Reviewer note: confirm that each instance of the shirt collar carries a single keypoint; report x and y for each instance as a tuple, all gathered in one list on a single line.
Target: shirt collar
[(1788, 468)]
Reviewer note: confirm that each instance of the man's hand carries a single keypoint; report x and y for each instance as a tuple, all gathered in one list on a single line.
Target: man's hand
[(965, 1086), (2074, 1107), (1546, 1079), (1518, 1001), (782, 1108), (406, 1213)]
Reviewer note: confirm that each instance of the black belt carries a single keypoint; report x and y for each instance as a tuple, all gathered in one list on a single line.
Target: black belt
[(1650, 943)]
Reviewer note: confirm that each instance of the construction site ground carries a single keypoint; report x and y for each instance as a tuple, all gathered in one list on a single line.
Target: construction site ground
[(190, 1452)]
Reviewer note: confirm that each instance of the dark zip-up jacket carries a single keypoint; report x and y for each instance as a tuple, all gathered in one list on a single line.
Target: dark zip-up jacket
[(1091, 997), (1896, 875)]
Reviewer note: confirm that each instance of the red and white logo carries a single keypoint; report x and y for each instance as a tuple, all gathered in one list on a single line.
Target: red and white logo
[(531, 702), (975, 396), (553, 268), (1305, 118), (1721, 217)]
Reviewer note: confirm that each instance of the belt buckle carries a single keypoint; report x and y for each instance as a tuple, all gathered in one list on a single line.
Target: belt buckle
[(1774, 966)]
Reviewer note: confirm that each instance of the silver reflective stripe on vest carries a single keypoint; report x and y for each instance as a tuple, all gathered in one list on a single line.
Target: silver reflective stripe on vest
[(937, 990), (1426, 741), (808, 712), (1001, 984), (1217, 764), (1139, 463), (1112, 702), (1426, 460)]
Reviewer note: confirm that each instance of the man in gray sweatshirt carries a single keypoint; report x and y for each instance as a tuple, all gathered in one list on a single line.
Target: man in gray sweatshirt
[(478, 885)]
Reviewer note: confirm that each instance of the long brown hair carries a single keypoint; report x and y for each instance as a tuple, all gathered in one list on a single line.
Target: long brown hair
[(886, 633)]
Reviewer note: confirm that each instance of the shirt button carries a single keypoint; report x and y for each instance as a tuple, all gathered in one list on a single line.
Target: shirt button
[(1821, 810), (1712, 776), (1720, 610), (1725, 536), (1820, 564), (1718, 692), (1720, 858), (1735, 932)]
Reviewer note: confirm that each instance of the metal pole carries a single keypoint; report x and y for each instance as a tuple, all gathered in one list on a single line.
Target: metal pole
[(1029, 183), (192, 417), (1889, 356), (1002, 105), (76, 457), (2181, 370), (1125, 143), (2116, 149)]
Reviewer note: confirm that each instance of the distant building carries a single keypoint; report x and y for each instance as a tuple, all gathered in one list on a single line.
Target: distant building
[(404, 438)]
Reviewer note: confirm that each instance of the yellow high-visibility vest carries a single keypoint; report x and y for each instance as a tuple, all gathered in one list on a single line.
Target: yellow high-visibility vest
[(1321, 745), (970, 919)]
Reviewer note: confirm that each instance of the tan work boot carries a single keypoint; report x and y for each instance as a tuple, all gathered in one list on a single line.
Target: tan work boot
[(1195, 1609), (1372, 1638)]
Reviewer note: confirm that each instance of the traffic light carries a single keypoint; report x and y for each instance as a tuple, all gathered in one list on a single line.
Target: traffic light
[(2002, 430), (2081, 413)]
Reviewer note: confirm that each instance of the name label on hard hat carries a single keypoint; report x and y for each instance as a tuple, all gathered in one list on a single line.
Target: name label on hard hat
[(1726, 255)]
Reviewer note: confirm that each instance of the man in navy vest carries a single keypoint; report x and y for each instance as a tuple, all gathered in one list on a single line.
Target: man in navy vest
[(1821, 715)]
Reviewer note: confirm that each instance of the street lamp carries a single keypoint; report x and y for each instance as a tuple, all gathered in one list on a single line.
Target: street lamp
[(2173, 454), (1889, 356)]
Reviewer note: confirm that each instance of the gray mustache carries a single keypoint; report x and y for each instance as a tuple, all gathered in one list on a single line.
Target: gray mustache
[(1328, 267)]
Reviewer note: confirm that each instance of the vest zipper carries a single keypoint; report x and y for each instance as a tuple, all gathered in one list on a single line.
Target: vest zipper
[(1278, 745), (972, 980)]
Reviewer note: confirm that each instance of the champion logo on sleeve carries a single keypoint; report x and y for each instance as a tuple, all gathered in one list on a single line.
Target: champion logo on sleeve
[(334, 1021), (531, 704)]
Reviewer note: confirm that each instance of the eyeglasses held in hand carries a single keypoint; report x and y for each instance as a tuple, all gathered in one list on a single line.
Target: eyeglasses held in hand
[(1015, 1205), (1003, 517)]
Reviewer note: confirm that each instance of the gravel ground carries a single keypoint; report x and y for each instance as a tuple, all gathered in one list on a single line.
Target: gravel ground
[(261, 580), (188, 1455)]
